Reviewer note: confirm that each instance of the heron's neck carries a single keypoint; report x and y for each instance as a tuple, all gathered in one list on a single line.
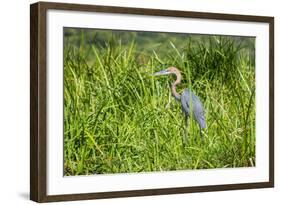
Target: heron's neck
[(174, 91)]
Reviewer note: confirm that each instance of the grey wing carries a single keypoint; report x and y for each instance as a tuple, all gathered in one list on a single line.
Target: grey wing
[(198, 111), (197, 107)]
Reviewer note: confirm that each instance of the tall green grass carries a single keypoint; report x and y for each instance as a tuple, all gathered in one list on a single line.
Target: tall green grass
[(118, 118)]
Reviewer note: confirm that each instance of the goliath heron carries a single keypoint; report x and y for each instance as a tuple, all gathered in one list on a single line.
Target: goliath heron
[(190, 103)]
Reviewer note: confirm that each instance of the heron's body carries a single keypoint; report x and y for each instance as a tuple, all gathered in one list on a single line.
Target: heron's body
[(191, 105)]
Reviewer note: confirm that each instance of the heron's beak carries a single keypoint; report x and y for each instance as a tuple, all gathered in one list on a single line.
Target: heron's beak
[(162, 72)]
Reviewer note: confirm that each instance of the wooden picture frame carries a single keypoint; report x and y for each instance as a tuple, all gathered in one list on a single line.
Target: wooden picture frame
[(39, 111)]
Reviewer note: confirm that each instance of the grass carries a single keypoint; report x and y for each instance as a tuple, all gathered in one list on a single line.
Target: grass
[(119, 119)]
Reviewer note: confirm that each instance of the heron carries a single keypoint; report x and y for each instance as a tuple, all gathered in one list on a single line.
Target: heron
[(190, 103)]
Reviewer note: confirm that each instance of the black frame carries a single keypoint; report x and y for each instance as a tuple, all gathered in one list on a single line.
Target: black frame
[(38, 110)]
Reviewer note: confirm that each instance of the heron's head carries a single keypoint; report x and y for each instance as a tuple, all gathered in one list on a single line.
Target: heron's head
[(170, 70)]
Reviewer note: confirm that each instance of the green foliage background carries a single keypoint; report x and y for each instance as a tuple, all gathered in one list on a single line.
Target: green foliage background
[(119, 119)]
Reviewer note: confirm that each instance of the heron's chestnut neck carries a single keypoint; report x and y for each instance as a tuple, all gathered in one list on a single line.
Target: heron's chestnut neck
[(178, 80)]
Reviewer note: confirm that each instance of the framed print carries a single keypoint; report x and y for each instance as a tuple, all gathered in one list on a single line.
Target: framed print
[(133, 102)]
